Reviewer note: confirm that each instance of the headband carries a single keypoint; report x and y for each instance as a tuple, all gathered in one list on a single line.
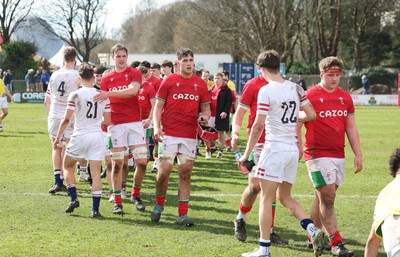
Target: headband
[(331, 70)]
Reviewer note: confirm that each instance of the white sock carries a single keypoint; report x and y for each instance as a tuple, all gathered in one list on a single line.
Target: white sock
[(130, 162), (264, 249), (312, 229), (241, 216)]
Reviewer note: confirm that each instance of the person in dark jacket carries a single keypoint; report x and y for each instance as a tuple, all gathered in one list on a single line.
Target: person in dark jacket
[(221, 102)]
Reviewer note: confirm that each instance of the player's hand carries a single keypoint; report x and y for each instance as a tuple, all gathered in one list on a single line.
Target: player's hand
[(243, 159), (358, 164), (101, 96), (203, 120), (12, 100), (234, 140), (223, 115), (158, 134), (146, 123)]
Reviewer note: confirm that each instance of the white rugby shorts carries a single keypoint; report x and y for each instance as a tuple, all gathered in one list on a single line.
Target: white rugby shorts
[(326, 171), (3, 102), (391, 235), (173, 146), (54, 123), (278, 162), (126, 134), (87, 146)]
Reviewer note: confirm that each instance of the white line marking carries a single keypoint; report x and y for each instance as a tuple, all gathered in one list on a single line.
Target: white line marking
[(202, 195)]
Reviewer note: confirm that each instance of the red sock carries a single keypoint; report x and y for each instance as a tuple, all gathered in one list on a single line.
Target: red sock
[(243, 209), (208, 150), (160, 200), (212, 145), (335, 238), (118, 199), (136, 191), (273, 214), (183, 207), (228, 143)]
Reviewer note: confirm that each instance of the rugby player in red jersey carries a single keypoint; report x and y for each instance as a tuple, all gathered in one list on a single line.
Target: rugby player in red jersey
[(121, 86), (175, 120), (324, 147)]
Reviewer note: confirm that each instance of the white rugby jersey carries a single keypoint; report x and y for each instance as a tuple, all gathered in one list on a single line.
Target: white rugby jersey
[(281, 103), (62, 83), (88, 113)]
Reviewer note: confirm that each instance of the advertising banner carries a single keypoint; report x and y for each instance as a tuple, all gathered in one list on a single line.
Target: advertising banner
[(375, 99), (28, 97)]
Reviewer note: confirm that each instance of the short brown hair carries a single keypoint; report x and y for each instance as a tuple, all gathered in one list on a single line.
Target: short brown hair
[(118, 47), (86, 71), (270, 60), (69, 54), (183, 52), (330, 62)]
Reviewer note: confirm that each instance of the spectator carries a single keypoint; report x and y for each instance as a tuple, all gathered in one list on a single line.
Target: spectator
[(8, 80), (386, 223), (38, 81), (45, 80), (365, 83), (302, 83), (31, 81)]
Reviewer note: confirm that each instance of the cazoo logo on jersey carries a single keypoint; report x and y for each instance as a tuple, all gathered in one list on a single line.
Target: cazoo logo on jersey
[(333, 113), (118, 88), (185, 97)]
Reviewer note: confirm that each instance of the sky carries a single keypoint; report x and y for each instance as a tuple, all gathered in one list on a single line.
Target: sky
[(120, 10)]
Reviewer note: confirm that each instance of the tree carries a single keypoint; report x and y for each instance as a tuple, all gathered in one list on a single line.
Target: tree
[(79, 23), (18, 56), (12, 13)]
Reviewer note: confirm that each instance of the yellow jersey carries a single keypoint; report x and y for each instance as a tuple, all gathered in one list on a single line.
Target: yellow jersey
[(388, 203)]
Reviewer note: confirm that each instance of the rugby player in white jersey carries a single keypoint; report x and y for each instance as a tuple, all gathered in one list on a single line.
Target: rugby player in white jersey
[(87, 140), (278, 109), (62, 83)]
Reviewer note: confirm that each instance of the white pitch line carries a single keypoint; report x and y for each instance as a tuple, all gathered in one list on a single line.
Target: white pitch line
[(200, 195)]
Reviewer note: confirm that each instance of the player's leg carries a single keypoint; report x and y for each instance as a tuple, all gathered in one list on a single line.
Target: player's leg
[(249, 196), (83, 177), (221, 142), (4, 108), (117, 159), (186, 157), (140, 153), (69, 166), (95, 169), (125, 172), (166, 153)]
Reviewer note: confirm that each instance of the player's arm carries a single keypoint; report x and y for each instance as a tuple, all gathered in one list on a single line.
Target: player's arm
[(148, 120), (354, 140), (63, 126), (9, 95), (372, 245), (132, 90), (205, 114), (307, 114), (158, 108), (299, 140), (106, 118), (255, 133), (47, 102), (237, 123)]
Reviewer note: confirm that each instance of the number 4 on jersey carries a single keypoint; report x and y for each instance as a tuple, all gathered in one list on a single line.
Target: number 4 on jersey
[(61, 88)]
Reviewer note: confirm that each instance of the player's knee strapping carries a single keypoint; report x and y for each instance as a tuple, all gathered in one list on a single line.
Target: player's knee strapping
[(117, 155), (140, 152), (167, 158), (183, 158)]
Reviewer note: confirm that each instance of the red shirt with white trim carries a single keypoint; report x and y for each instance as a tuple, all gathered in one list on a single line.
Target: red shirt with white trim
[(145, 94), (155, 82), (182, 98), (325, 137), (123, 110), (248, 98)]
